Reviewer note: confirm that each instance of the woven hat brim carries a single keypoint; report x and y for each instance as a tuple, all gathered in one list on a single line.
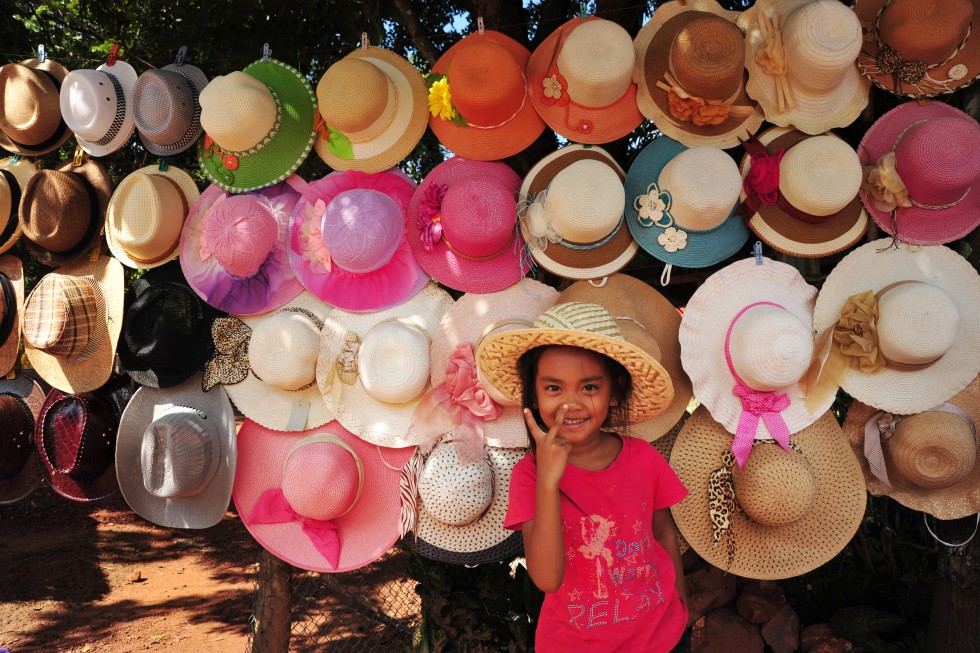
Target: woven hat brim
[(962, 499), (875, 265), (61, 134), (22, 170), (786, 234), (9, 348), (771, 552), (916, 225), (198, 81), (665, 445), (407, 128), (653, 41), (126, 75), (366, 532), (707, 315), (442, 263), (287, 150), (704, 247), (76, 376), (20, 486), (968, 55), (207, 507)]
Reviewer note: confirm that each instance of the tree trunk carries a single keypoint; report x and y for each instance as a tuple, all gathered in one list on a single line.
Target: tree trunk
[(272, 607), (955, 621)]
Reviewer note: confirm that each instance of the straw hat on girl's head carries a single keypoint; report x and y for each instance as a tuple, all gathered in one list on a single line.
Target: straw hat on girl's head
[(573, 211), (259, 124), (14, 177), (98, 106), (323, 499), (11, 309), (462, 226), (167, 108), (800, 55), (785, 513), (899, 326), (580, 81), (30, 107), (800, 193), (927, 461), (20, 405), (372, 111), (690, 70), (346, 240), (922, 173), (919, 48)]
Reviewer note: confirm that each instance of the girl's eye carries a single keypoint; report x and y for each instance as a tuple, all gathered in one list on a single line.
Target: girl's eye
[(551, 388), (591, 387)]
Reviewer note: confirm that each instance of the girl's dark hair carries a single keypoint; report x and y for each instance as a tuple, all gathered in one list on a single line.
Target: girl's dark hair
[(622, 390)]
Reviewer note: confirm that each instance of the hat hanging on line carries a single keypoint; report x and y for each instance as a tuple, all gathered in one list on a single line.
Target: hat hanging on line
[(176, 453), (785, 513), (478, 98), (20, 404), (322, 499), (690, 72), (97, 106), (347, 242), (258, 124), (167, 108), (30, 107), (14, 177), (921, 176), (11, 310), (800, 193)]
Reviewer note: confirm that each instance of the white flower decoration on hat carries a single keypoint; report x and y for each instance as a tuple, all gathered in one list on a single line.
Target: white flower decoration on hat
[(653, 207), (672, 239), (537, 223)]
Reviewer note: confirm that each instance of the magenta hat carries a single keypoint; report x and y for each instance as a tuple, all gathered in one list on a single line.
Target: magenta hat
[(347, 241), (922, 174), (232, 249), (322, 499), (462, 226)]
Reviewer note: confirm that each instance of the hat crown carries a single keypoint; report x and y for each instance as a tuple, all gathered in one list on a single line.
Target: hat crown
[(163, 105), (585, 201), (89, 103), (822, 40), (770, 348), (704, 185), (925, 30), (486, 82), (596, 61), (493, 201), (353, 95), (237, 110), (707, 57), (161, 321), (79, 435), (179, 453), (393, 361), (29, 104), (917, 323), (65, 315), (579, 316), (937, 160), (933, 449), (453, 493), (320, 480), (776, 487), (57, 210), (820, 175), (283, 350), (146, 215), (362, 229), (17, 435), (241, 231)]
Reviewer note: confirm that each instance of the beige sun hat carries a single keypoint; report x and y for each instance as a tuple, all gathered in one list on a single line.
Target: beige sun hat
[(14, 177), (793, 510), (373, 368), (11, 309), (71, 324), (801, 56), (268, 364), (921, 306), (146, 215)]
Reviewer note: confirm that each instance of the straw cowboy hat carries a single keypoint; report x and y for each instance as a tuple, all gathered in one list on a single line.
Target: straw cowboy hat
[(175, 455), (478, 98), (580, 81), (167, 108), (800, 193), (11, 309), (801, 56), (746, 343), (20, 405), (898, 326), (927, 461), (372, 111), (462, 226), (14, 177), (146, 215), (785, 513), (71, 324), (30, 107), (258, 124), (347, 242), (919, 48), (690, 72), (323, 499), (921, 173), (97, 106)]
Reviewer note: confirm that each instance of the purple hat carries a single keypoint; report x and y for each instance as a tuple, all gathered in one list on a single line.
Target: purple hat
[(232, 249), (347, 241)]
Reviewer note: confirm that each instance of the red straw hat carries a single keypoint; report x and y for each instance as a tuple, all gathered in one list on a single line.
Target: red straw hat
[(483, 82)]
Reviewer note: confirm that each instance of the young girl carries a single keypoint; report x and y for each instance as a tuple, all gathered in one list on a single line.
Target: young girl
[(592, 505)]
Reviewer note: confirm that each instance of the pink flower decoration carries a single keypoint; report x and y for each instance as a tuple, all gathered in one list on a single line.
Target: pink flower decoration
[(763, 178), (311, 239), (429, 221)]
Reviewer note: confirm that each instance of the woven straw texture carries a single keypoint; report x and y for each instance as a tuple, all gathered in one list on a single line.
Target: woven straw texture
[(167, 108), (100, 127), (12, 296), (30, 107), (665, 445), (11, 192), (20, 403)]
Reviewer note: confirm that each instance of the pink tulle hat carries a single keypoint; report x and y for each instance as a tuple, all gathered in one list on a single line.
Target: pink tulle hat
[(462, 226), (233, 248), (321, 499), (922, 174), (347, 240)]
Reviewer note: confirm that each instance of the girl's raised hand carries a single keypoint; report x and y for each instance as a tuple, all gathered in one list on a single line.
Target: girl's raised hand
[(552, 449)]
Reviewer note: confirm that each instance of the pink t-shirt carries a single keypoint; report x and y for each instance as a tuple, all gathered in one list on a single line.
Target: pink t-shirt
[(617, 593)]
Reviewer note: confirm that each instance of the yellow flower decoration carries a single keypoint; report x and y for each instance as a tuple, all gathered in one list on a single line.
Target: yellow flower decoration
[(440, 101)]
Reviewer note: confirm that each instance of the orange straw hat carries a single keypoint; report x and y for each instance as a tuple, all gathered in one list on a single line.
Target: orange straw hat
[(478, 98), (30, 107), (690, 72), (580, 81), (920, 48)]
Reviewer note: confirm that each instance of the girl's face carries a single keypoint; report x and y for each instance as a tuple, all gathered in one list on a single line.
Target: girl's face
[(577, 377)]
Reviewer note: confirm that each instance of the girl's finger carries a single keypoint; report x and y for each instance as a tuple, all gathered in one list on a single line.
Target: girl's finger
[(532, 426)]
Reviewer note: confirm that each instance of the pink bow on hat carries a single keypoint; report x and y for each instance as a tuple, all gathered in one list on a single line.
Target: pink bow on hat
[(272, 508)]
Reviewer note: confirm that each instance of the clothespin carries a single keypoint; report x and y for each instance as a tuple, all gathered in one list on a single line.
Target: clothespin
[(181, 55), (266, 53), (757, 252), (479, 25), (364, 41), (79, 157), (164, 163), (41, 53), (15, 158), (113, 55), (583, 8)]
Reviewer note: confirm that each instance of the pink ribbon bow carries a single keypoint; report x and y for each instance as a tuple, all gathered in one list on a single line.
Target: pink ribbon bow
[(761, 183), (272, 508)]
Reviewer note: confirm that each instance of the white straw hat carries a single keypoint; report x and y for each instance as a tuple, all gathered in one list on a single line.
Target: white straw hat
[(98, 106)]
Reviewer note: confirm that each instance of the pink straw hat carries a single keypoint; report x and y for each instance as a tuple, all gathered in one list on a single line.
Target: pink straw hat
[(233, 249), (922, 174), (347, 240), (323, 499), (462, 226)]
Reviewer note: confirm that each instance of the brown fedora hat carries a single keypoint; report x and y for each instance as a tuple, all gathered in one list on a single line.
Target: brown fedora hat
[(30, 107)]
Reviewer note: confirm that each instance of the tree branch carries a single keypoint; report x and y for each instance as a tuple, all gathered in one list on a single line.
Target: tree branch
[(415, 31)]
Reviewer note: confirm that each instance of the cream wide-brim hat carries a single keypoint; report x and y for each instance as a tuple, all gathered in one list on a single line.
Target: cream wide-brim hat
[(13, 268)]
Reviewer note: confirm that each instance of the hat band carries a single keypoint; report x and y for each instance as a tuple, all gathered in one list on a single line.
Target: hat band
[(172, 247), (55, 137), (117, 120), (479, 259), (512, 116), (696, 110), (8, 470), (9, 308), (380, 125), (10, 228), (596, 244)]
